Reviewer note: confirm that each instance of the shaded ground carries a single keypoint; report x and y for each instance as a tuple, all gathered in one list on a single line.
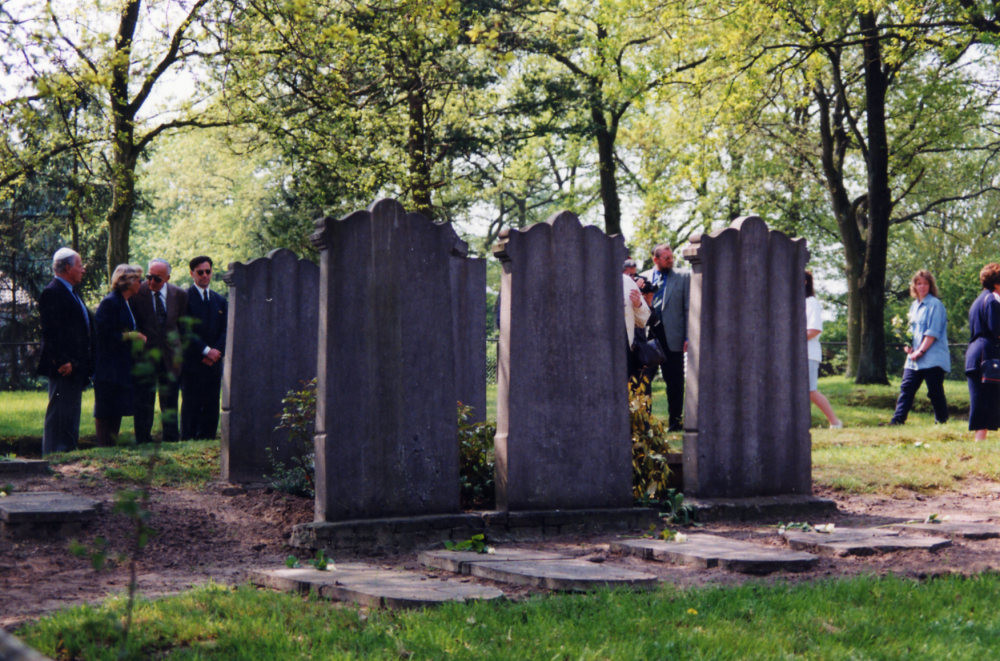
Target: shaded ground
[(208, 536)]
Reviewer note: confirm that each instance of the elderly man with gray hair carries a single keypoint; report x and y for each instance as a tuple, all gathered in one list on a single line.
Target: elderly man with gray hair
[(67, 358), (158, 307)]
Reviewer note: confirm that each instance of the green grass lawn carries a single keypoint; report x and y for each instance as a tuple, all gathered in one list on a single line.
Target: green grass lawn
[(859, 618), (22, 414)]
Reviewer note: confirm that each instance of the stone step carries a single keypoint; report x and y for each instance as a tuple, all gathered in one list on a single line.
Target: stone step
[(373, 586), (860, 541), (19, 467), (706, 551), (966, 530), (537, 569), (40, 513), (460, 562)]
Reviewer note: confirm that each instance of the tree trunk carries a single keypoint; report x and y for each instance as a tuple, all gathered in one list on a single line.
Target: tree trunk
[(609, 178), (419, 175), (123, 144), (872, 364)]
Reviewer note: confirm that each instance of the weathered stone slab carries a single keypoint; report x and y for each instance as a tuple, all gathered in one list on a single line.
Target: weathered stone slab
[(373, 586), (460, 562), (563, 575), (562, 410), (860, 541), (42, 513), (17, 467), (966, 530), (47, 507), (386, 394), (395, 534), (706, 551), (272, 336), (746, 416), (786, 507)]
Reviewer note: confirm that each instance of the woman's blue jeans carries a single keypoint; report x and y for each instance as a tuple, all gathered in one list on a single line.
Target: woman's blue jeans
[(934, 376)]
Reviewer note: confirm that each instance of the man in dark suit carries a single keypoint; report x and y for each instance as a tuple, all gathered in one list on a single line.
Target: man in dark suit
[(201, 378), (158, 307), (669, 325), (67, 358)]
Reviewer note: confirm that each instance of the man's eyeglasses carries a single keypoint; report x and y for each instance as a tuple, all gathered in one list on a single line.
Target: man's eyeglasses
[(204, 271), (154, 278)]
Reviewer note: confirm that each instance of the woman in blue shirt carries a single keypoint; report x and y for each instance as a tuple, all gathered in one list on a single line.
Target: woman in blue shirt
[(928, 358), (984, 329)]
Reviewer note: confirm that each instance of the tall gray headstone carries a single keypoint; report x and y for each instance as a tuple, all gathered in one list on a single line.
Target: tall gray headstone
[(386, 434), (468, 286), (272, 331), (746, 416), (562, 402)]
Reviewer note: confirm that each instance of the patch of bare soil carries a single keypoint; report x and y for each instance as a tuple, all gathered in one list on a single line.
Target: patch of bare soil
[(211, 537)]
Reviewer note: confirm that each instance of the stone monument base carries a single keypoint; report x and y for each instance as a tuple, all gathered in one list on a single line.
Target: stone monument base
[(788, 507), (405, 533)]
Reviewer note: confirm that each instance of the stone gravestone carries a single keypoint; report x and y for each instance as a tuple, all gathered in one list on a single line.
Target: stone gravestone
[(562, 401), (386, 434), (272, 332), (746, 416), (468, 286)]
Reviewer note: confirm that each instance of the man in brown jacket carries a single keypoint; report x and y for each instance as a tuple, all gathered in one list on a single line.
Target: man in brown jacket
[(158, 308)]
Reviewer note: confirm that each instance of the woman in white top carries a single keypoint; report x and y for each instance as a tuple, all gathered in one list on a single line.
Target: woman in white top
[(814, 327), (636, 314)]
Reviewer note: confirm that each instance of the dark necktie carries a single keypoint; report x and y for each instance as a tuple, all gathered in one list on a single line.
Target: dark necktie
[(204, 296), (161, 312)]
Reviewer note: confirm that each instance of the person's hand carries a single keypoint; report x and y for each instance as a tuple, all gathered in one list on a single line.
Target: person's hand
[(635, 297), (65, 370), (139, 335), (685, 346), (213, 355), (908, 349), (207, 361)]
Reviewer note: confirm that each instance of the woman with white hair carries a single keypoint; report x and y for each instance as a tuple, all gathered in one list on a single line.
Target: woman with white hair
[(116, 335)]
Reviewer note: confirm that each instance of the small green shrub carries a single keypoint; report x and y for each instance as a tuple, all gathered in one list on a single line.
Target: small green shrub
[(476, 460), (299, 418), (650, 471)]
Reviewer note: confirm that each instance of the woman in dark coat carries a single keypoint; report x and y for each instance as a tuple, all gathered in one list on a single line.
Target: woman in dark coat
[(984, 328), (113, 394)]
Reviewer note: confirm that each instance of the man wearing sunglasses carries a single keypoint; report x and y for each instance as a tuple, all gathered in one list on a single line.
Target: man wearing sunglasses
[(158, 308), (201, 376)]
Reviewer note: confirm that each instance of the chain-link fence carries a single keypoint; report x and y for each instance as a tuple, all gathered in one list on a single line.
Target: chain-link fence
[(835, 359), (18, 361)]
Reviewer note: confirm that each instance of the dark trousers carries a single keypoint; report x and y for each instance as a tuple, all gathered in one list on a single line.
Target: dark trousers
[(146, 389), (200, 404), (673, 376), (934, 376), (62, 417)]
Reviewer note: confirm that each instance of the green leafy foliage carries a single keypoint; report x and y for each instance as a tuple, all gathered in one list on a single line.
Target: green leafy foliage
[(650, 471), (675, 510), (476, 461), (299, 418), (476, 544)]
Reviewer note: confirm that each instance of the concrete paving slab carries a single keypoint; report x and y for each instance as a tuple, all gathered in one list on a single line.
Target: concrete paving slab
[(47, 507), (966, 530), (860, 541), (19, 467), (706, 551), (373, 586), (459, 562), (562, 575)]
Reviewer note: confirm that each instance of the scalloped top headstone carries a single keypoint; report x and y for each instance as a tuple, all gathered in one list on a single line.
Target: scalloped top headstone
[(272, 327), (746, 417), (386, 433), (562, 403)]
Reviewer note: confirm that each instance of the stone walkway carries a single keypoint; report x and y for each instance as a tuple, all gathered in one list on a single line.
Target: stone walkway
[(557, 569)]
